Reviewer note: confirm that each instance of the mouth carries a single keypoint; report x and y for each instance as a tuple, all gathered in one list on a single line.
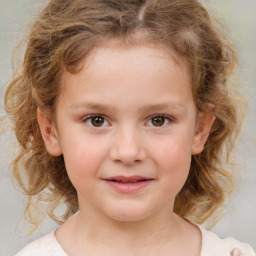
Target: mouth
[(124, 179), (126, 184)]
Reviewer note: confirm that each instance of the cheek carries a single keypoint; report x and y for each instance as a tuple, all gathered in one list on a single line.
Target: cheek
[(174, 159), (174, 150), (83, 161)]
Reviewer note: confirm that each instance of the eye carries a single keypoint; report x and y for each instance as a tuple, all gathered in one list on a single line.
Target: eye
[(96, 121), (159, 121)]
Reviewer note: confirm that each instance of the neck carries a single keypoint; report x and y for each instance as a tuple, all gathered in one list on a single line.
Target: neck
[(136, 237), (132, 231), (160, 234)]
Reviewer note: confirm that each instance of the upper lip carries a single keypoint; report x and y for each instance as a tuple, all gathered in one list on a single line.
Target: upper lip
[(127, 179)]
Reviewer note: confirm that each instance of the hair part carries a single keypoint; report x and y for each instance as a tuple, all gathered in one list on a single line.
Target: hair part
[(61, 38)]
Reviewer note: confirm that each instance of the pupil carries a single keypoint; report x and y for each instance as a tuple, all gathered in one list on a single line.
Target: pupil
[(158, 121), (97, 121)]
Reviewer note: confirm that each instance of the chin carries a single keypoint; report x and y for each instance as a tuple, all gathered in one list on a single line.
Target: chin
[(129, 215)]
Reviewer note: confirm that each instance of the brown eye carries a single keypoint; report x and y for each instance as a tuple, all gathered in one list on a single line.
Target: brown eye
[(158, 120), (96, 121)]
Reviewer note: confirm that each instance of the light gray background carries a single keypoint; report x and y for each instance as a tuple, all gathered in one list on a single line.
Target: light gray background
[(240, 218)]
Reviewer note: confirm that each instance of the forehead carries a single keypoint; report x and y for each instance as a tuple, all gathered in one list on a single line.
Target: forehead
[(127, 83), (142, 54), (128, 76), (126, 53)]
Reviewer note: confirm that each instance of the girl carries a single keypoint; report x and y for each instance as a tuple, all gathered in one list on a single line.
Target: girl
[(124, 112)]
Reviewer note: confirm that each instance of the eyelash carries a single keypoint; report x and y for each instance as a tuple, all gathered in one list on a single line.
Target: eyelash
[(166, 118), (88, 119)]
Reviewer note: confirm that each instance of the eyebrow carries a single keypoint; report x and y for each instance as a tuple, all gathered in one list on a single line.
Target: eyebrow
[(165, 106), (96, 106), (154, 107)]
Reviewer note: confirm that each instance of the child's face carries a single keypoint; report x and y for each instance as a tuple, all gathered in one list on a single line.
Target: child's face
[(127, 126)]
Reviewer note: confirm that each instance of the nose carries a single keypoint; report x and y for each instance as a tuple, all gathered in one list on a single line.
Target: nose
[(127, 148)]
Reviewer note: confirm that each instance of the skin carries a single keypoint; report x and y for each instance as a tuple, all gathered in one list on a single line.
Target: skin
[(126, 87)]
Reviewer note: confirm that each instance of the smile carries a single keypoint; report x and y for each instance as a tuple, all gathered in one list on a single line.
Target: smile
[(125, 184)]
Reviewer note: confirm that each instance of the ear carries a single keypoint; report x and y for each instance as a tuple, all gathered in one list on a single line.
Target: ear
[(202, 131), (49, 133)]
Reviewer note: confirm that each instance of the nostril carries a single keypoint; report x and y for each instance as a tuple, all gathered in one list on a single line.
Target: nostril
[(127, 148)]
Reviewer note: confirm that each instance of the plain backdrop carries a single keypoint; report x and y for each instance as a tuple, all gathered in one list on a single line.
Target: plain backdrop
[(240, 218)]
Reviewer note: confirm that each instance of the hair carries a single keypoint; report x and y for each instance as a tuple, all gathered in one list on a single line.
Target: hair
[(60, 39)]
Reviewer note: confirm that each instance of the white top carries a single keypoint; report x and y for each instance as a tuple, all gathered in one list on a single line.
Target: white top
[(211, 246)]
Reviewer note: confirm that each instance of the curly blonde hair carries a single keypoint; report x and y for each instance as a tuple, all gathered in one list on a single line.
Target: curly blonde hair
[(61, 37)]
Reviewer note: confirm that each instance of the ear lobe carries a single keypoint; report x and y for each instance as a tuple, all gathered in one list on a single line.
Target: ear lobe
[(204, 124), (49, 133)]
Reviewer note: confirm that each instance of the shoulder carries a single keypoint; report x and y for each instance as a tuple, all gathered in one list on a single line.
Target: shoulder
[(212, 245), (45, 246)]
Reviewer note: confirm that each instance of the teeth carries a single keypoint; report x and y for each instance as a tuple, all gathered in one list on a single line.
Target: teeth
[(129, 181)]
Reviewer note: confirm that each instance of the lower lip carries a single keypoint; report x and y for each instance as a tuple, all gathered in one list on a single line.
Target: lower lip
[(128, 187)]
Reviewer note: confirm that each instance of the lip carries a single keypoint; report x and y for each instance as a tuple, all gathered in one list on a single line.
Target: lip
[(128, 184)]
